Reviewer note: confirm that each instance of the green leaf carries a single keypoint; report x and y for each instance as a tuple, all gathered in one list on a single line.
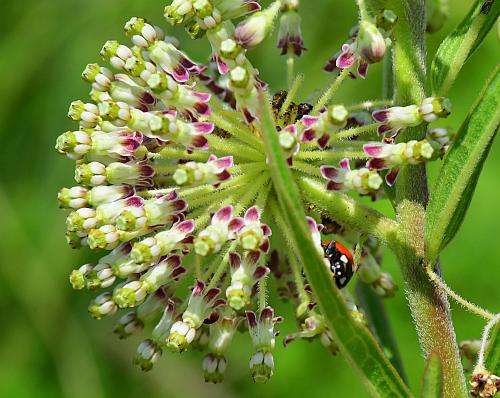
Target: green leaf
[(492, 354), (432, 383), (459, 45), (356, 343), (458, 177), (374, 308)]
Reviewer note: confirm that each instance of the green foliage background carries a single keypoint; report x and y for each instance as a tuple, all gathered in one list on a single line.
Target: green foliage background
[(49, 346)]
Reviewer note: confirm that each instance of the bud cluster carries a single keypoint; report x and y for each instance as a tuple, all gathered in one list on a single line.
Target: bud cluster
[(172, 179)]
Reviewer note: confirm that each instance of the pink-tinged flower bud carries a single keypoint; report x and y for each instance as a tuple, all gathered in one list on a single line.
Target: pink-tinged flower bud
[(124, 89), (370, 42), (314, 326), (253, 235), (103, 305), (117, 144), (394, 120), (179, 11), (162, 328), (290, 35), (138, 173), (255, 28), (244, 275), (134, 293), (173, 61), (388, 156), (315, 230), (153, 248), (363, 181), (213, 172), (263, 335), (223, 228), (73, 198), (107, 213), (322, 127), (201, 304), (108, 193), (86, 114)]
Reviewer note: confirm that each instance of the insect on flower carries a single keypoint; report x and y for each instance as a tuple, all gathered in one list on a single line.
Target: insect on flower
[(341, 262)]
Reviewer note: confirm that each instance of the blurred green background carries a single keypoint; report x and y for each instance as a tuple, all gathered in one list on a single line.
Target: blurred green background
[(49, 346)]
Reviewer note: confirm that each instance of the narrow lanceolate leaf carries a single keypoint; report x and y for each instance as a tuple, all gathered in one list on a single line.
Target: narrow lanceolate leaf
[(492, 354), (432, 383), (462, 166), (458, 46), (356, 343)]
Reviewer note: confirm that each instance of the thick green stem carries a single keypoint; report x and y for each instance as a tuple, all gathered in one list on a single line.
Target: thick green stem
[(347, 211), (428, 304)]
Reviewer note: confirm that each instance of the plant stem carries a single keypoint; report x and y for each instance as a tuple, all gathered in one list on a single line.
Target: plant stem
[(354, 132), (363, 11), (294, 87), (328, 94), (484, 342), (459, 299), (347, 211), (428, 304), (370, 105), (289, 70)]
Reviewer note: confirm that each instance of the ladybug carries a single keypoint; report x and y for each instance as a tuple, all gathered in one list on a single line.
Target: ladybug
[(341, 262)]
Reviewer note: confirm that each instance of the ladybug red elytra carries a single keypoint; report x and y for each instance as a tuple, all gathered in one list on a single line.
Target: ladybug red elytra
[(341, 262)]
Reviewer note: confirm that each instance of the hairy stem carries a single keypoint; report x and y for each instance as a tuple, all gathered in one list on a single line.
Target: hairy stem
[(428, 304), (347, 211), (455, 296), (328, 94)]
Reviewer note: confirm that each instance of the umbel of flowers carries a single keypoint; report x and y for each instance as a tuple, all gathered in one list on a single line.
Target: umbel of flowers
[(173, 181)]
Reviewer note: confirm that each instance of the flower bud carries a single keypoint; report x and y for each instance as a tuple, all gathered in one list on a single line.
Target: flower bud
[(179, 11), (363, 180), (254, 29), (213, 172), (73, 198), (433, 108), (289, 34), (147, 354), (370, 42), (223, 228), (102, 306), (201, 303), (263, 338)]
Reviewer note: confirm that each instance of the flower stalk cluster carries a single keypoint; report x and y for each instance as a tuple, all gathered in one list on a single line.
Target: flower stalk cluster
[(172, 179)]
